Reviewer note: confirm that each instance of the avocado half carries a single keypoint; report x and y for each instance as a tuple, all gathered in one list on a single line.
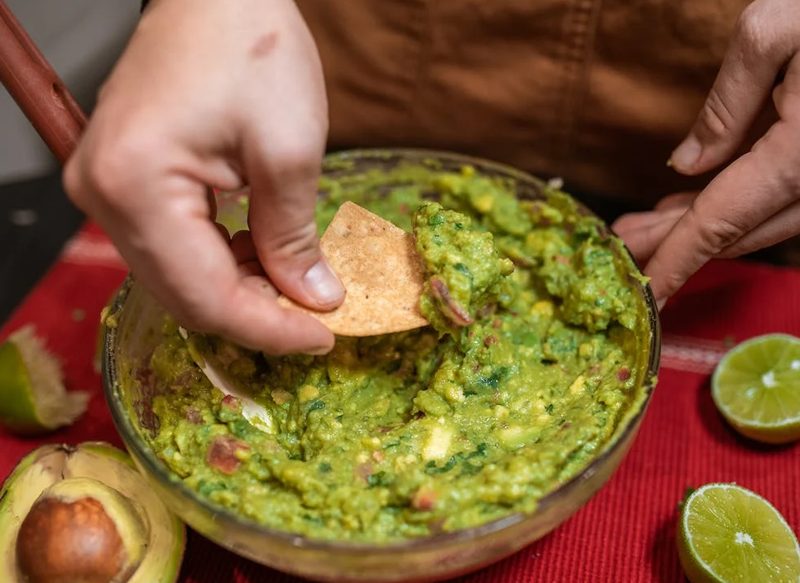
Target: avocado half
[(85, 513)]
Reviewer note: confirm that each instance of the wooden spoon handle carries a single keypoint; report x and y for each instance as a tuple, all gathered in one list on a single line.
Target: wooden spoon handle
[(37, 89)]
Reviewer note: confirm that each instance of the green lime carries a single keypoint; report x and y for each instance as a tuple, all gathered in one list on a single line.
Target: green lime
[(32, 394), (727, 533), (756, 387)]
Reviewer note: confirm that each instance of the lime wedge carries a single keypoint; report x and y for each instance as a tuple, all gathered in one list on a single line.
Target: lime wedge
[(727, 533), (756, 387), (32, 394)]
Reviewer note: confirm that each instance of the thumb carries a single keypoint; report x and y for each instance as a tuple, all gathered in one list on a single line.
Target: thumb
[(282, 201), (743, 84)]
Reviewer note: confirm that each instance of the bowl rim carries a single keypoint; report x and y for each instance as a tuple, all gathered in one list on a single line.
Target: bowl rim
[(146, 457)]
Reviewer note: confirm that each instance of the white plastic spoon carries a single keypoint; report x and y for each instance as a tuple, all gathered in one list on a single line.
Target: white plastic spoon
[(214, 370)]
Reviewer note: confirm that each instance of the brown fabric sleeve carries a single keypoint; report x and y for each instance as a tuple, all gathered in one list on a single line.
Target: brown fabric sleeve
[(597, 92)]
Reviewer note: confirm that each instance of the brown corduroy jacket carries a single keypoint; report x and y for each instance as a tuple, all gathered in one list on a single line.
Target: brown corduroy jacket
[(596, 91)]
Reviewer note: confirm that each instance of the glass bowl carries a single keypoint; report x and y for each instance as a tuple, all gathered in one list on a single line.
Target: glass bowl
[(136, 321)]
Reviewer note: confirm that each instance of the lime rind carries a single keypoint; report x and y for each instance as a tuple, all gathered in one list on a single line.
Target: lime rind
[(759, 545), (34, 398), (17, 409), (756, 387)]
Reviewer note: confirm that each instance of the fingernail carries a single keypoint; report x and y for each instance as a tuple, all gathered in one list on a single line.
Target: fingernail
[(321, 282), (686, 154)]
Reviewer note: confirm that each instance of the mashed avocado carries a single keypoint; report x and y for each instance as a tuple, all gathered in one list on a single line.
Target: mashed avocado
[(528, 368)]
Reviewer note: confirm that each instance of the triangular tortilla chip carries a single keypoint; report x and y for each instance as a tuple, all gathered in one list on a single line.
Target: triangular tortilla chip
[(378, 264)]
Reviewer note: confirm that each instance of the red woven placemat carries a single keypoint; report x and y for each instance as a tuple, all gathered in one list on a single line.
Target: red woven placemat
[(624, 534)]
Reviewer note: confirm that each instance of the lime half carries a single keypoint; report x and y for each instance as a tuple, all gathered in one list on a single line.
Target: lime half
[(756, 387), (727, 533), (32, 394)]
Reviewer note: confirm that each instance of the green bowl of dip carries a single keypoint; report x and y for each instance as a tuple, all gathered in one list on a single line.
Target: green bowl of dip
[(421, 455)]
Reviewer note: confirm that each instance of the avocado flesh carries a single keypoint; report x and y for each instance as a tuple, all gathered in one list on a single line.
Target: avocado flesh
[(102, 462)]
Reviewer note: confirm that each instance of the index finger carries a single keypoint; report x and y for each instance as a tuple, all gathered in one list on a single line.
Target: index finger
[(741, 197), (179, 256)]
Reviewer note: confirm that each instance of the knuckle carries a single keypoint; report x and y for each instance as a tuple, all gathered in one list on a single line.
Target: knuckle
[(297, 160), (716, 120), (297, 243), (752, 31), (672, 282), (104, 172), (112, 170), (718, 233), (73, 184)]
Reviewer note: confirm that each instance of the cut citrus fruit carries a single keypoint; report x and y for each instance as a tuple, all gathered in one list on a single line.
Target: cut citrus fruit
[(728, 533), (32, 394), (756, 387)]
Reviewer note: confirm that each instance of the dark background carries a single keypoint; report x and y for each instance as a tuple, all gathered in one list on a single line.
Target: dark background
[(35, 220)]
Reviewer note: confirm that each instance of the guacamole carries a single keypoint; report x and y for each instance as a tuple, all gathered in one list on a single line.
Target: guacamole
[(529, 366)]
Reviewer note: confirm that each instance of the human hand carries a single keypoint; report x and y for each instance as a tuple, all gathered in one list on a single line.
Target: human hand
[(755, 201), (215, 94)]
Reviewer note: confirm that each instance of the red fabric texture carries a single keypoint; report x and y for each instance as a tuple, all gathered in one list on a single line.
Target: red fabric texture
[(625, 533)]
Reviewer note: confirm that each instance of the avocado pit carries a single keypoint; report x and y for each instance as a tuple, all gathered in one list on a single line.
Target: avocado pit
[(80, 530), (85, 515)]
